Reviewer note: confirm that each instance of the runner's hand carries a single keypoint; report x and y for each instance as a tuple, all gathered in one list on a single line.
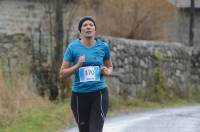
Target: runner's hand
[(81, 60), (105, 71)]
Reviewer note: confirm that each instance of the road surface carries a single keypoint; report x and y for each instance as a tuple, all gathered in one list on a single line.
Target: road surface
[(181, 119)]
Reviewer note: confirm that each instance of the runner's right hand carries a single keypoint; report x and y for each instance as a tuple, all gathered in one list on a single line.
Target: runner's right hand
[(81, 59)]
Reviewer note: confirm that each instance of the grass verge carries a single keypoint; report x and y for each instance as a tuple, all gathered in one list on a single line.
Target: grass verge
[(120, 105), (47, 118)]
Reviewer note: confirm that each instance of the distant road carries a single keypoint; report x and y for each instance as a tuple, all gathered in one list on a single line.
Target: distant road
[(181, 119)]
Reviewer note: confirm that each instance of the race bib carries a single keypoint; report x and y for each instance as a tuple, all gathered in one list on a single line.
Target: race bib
[(89, 73)]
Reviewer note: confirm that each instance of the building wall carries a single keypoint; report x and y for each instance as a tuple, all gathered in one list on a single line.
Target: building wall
[(179, 27), (20, 16)]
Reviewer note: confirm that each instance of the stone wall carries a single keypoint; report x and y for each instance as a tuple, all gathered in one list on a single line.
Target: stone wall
[(15, 53), (195, 67), (136, 62), (27, 17)]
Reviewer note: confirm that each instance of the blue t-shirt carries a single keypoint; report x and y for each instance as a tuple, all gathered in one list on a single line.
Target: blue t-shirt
[(94, 57)]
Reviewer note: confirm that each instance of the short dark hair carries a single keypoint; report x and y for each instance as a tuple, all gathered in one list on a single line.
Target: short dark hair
[(85, 18)]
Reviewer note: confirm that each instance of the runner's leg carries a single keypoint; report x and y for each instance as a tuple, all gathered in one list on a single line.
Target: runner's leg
[(98, 111), (81, 109)]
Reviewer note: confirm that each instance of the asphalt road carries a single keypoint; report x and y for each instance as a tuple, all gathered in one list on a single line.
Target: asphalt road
[(180, 119)]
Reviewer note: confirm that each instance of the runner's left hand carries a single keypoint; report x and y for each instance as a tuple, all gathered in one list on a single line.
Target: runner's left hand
[(105, 71)]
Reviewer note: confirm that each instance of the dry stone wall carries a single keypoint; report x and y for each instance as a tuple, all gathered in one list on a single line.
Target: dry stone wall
[(195, 67), (136, 62)]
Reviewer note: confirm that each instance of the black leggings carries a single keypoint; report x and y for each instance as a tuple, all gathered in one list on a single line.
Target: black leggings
[(90, 110)]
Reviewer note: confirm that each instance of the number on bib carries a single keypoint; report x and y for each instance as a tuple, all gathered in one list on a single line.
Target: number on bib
[(89, 73)]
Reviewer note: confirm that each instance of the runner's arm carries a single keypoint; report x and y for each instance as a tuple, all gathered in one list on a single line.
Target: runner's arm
[(67, 70)]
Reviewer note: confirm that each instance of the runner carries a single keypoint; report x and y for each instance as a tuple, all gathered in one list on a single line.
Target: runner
[(88, 58)]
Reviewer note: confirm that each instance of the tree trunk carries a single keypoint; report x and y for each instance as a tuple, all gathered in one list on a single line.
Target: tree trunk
[(191, 27), (58, 50)]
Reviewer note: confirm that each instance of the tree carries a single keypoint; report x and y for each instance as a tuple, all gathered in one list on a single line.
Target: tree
[(55, 10), (135, 19), (47, 74), (59, 33)]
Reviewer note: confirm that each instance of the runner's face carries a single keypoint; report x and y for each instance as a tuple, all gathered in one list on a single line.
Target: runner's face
[(88, 29)]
